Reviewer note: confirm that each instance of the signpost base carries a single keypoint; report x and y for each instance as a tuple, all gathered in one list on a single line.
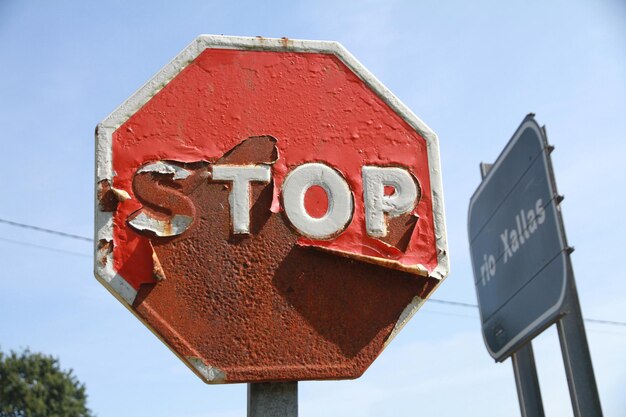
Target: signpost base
[(527, 382), (273, 399)]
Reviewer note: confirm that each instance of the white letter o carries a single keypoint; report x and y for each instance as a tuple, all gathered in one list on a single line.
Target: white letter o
[(340, 200)]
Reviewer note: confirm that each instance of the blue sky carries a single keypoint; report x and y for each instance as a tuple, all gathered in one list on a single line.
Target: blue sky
[(470, 70)]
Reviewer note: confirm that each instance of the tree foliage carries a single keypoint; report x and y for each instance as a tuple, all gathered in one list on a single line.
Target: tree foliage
[(34, 385)]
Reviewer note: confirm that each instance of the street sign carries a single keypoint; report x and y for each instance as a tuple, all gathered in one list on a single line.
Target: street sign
[(522, 270), (269, 210), (518, 248)]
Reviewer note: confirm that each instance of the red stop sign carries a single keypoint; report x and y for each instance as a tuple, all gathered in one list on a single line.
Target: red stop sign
[(269, 209)]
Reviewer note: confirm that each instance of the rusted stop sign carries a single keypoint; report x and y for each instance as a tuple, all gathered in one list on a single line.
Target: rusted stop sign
[(269, 209)]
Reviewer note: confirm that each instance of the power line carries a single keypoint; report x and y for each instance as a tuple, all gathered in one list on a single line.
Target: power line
[(610, 322), (458, 303), (33, 245), (83, 238), (446, 313), (45, 230), (453, 303)]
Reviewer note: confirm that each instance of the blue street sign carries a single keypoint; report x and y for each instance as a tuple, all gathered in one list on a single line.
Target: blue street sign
[(517, 243)]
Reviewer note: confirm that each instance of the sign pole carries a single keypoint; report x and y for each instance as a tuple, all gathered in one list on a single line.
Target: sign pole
[(577, 359), (273, 399), (526, 380)]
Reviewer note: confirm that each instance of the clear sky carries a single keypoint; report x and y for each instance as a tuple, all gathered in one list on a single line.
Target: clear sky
[(470, 70)]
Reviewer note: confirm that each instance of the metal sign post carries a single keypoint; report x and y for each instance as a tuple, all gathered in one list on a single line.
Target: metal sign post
[(577, 358), (522, 269), (526, 381), (273, 399)]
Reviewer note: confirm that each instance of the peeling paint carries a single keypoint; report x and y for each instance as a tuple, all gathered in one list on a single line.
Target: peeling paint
[(417, 269), (104, 150), (108, 197), (162, 228), (404, 318), (165, 168), (121, 195), (157, 269), (104, 226), (209, 373), (105, 272)]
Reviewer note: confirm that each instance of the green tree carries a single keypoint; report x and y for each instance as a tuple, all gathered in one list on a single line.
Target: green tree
[(34, 385)]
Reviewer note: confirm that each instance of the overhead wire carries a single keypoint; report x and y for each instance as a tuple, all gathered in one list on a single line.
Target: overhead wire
[(457, 303), (453, 303), (48, 248), (46, 230)]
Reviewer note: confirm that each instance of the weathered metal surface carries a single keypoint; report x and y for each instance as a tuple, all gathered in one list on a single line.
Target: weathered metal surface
[(235, 284)]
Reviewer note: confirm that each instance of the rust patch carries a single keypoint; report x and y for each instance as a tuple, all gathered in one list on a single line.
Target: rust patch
[(161, 195), (105, 247), (400, 229), (253, 150), (157, 269), (288, 312), (107, 199)]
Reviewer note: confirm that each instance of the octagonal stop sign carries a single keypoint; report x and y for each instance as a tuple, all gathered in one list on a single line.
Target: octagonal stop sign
[(269, 210)]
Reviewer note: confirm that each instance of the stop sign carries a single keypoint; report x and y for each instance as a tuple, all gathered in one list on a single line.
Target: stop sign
[(269, 210)]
